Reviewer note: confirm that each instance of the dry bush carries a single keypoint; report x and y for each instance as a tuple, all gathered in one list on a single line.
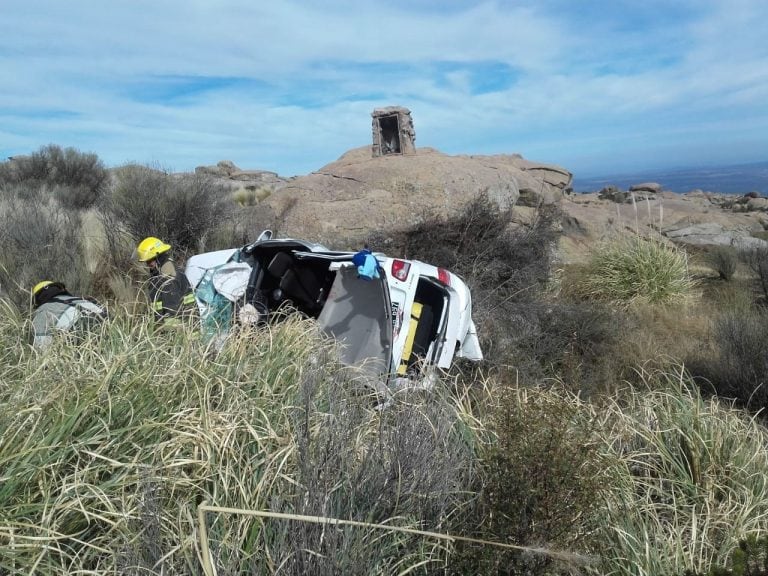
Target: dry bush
[(501, 263), (76, 179), (193, 213), (738, 368), (43, 195), (575, 343), (241, 227), (757, 261), (723, 260), (415, 462), (522, 328), (182, 210), (736, 295), (40, 241), (504, 266)]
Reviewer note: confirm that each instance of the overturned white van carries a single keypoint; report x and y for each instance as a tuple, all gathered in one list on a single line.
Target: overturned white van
[(393, 317)]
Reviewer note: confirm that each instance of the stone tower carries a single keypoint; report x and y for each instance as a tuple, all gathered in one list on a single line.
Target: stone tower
[(393, 131)]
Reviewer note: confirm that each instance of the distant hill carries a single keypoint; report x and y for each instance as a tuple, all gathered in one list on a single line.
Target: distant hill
[(736, 179)]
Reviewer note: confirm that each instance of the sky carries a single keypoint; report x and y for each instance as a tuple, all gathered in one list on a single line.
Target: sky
[(289, 85)]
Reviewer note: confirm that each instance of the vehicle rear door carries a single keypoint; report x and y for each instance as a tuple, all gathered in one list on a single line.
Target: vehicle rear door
[(357, 314)]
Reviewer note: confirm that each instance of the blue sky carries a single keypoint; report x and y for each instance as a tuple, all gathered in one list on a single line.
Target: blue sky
[(289, 85)]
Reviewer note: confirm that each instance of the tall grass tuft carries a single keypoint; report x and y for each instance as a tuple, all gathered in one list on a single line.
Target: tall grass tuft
[(637, 269), (688, 480)]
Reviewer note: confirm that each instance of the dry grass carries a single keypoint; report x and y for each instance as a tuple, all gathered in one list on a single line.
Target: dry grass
[(107, 448), (688, 483)]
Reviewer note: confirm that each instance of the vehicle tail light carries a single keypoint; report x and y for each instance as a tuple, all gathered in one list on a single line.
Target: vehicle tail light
[(444, 276), (400, 269)]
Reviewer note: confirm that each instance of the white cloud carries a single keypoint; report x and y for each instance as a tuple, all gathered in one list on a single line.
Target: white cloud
[(578, 88)]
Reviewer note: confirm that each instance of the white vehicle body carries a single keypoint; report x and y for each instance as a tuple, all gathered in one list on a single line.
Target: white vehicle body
[(414, 314)]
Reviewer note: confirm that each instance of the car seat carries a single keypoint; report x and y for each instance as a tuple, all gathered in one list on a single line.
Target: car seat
[(297, 281)]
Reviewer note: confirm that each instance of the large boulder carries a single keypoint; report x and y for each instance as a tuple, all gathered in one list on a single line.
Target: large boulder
[(711, 234), (359, 193), (652, 187)]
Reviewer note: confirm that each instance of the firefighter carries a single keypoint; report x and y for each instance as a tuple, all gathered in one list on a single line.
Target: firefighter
[(58, 311), (168, 290)]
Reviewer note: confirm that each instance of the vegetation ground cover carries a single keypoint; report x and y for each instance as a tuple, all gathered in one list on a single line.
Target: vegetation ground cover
[(615, 435)]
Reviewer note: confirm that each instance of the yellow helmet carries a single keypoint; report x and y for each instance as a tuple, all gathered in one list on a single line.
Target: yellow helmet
[(150, 248), (39, 286)]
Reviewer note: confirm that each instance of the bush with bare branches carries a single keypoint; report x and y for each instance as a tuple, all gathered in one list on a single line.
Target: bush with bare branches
[(76, 179), (182, 210)]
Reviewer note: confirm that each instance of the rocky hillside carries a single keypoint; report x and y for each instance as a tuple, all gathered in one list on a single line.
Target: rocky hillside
[(699, 219), (359, 192)]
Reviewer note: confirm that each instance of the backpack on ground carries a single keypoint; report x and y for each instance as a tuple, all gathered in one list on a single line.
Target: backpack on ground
[(81, 316)]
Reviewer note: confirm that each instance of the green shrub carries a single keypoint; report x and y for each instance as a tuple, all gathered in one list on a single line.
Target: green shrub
[(540, 483), (637, 268)]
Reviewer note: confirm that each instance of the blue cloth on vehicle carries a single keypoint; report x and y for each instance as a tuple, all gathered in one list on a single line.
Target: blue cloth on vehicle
[(367, 265)]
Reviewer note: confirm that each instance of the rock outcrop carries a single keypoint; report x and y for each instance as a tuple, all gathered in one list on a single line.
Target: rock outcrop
[(226, 172), (653, 187), (697, 219), (357, 193), (712, 234)]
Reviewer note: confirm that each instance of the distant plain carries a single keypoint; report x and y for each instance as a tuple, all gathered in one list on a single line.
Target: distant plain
[(732, 179)]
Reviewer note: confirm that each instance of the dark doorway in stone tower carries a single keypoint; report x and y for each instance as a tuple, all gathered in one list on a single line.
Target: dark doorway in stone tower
[(389, 129)]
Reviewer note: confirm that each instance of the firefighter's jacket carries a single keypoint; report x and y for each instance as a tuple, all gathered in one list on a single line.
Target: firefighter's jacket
[(170, 292)]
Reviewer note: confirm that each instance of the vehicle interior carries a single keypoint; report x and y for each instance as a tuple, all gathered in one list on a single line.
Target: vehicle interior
[(424, 327), (279, 279)]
